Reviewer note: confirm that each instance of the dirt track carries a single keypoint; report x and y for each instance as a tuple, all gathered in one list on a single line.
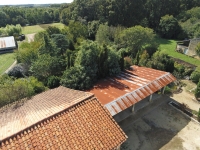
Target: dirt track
[(30, 37)]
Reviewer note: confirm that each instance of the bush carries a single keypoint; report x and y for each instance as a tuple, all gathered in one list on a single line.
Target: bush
[(199, 115), (53, 82), (195, 76), (17, 71), (16, 89), (76, 78), (168, 90), (197, 91)]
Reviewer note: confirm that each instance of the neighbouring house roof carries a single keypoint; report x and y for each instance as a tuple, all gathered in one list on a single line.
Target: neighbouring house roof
[(60, 118), (7, 43), (128, 88)]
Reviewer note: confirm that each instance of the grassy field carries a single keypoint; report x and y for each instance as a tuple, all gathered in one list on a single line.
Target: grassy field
[(6, 60), (168, 46), (41, 27)]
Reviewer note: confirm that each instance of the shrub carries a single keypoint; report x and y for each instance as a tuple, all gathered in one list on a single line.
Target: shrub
[(199, 115), (168, 90), (17, 71), (53, 81), (197, 91), (195, 76)]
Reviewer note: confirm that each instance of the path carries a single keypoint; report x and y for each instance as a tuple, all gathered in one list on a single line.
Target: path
[(30, 37), (187, 98), (11, 67)]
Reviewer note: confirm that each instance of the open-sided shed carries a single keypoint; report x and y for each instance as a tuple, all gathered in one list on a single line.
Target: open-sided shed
[(130, 87)]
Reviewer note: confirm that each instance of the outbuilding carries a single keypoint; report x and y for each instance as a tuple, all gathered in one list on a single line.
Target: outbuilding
[(7, 44), (120, 94)]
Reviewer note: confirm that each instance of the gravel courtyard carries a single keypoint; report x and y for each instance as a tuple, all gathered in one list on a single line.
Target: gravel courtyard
[(160, 127)]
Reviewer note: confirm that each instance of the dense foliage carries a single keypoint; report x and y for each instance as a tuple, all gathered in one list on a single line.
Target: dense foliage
[(197, 91), (16, 89), (31, 16), (101, 38)]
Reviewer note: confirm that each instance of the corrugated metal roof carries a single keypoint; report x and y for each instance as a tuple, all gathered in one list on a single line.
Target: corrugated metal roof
[(128, 88), (7, 42)]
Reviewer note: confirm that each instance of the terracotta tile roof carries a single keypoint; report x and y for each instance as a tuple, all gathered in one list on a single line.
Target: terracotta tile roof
[(19, 116), (86, 125), (128, 88)]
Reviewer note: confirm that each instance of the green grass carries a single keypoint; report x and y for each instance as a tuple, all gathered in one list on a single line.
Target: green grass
[(169, 46), (6, 60), (39, 28)]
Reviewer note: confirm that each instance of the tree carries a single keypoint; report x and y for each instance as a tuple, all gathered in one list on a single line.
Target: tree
[(16, 89), (46, 66), (77, 30), (144, 57), (28, 52), (135, 39), (198, 49), (17, 71), (61, 42), (53, 30), (102, 35), (92, 29), (4, 19), (197, 91), (161, 61), (195, 76), (76, 78), (169, 27), (87, 57)]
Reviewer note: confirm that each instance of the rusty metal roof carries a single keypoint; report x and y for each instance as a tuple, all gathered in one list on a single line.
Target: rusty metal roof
[(7, 42), (128, 88)]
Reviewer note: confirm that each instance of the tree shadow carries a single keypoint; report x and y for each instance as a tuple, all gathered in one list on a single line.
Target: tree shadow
[(44, 26), (163, 41)]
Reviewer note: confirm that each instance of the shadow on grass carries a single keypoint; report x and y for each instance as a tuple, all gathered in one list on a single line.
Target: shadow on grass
[(163, 41), (44, 26)]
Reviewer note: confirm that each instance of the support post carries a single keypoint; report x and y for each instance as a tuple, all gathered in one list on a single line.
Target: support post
[(163, 91), (150, 98), (133, 108)]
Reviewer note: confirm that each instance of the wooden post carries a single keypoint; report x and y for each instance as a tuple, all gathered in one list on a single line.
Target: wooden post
[(163, 92)]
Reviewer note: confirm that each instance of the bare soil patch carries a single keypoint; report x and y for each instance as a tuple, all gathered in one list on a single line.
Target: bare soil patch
[(187, 96), (30, 37)]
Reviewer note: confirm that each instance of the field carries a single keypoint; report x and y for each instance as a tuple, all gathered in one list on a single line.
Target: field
[(6, 60), (41, 27), (168, 47)]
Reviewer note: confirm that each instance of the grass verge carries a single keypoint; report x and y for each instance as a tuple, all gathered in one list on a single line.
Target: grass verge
[(168, 47), (6, 60), (39, 28)]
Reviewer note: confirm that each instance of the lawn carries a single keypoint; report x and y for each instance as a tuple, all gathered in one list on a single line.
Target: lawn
[(41, 27), (168, 46), (6, 60)]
